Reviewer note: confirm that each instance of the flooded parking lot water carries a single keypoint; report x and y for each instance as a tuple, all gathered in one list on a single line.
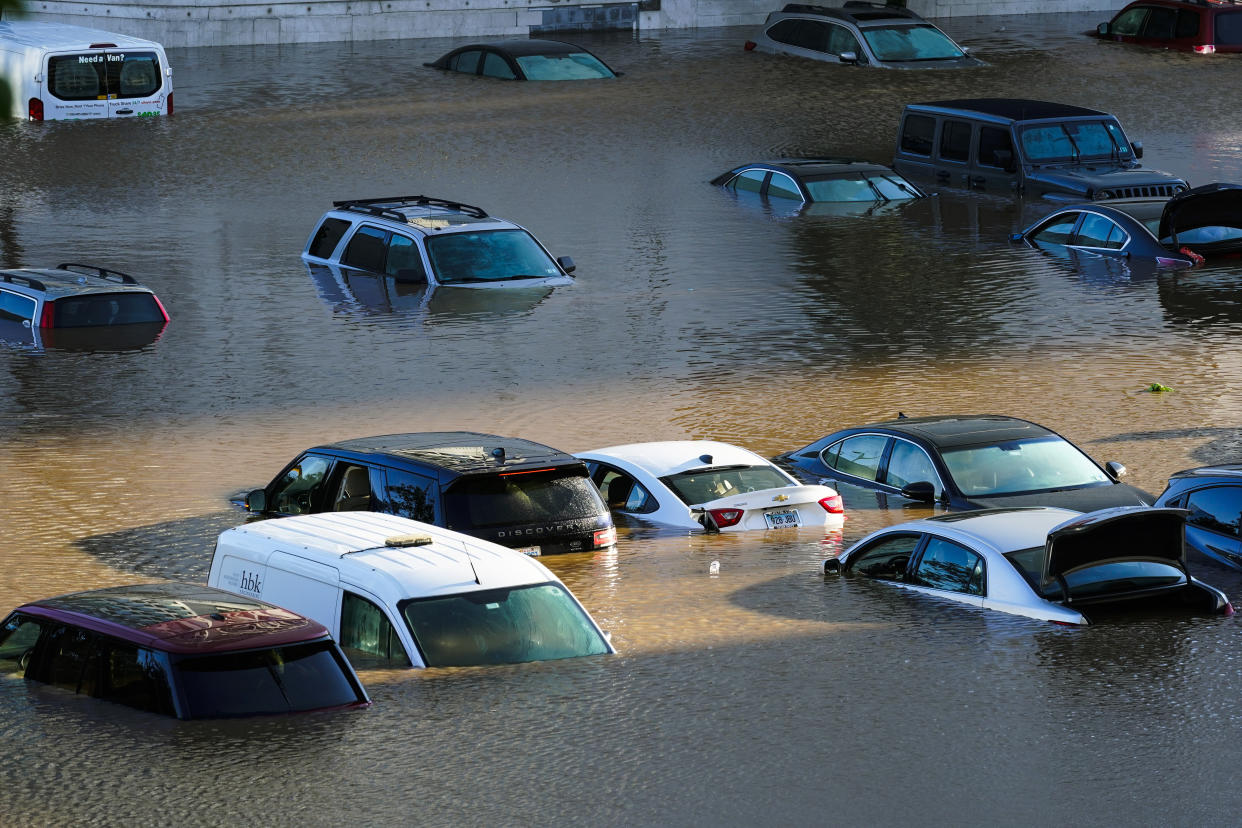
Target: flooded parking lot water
[(760, 695)]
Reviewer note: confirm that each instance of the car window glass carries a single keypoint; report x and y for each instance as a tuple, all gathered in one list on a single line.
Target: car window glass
[(784, 31), (487, 256), (1128, 22), (1047, 143), (860, 456), (841, 189), (705, 485), (95, 309), (841, 40), (749, 181), (949, 566), (1058, 230), (135, 677), (1229, 28), (1218, 509), (1161, 21), (1091, 139), (366, 249), (782, 186), (893, 187), (573, 66), (76, 77), (367, 636), (1022, 465), (495, 66), (14, 307), (500, 500), (351, 490), (296, 493), (829, 455), (306, 676), (907, 463), (72, 660), (910, 43), (17, 642), (887, 558), (623, 492), (467, 61), (991, 141), (327, 237), (1187, 23), (133, 75), (1120, 142), (955, 140), (1098, 231), (916, 134), (411, 495), (811, 34), (404, 260)]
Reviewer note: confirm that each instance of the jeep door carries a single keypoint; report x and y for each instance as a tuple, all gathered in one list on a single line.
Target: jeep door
[(994, 164), (915, 141)]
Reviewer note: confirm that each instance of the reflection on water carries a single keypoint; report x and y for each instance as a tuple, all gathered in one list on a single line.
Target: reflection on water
[(760, 694)]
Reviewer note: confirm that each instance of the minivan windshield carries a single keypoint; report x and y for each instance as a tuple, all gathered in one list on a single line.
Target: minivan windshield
[(911, 43), (574, 66), (501, 626), (276, 680), (488, 256), (523, 498), (1021, 466), (1074, 141)]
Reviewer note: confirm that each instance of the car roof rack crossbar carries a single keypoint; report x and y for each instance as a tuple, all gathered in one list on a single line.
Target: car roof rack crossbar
[(14, 278), (371, 206), (101, 272)]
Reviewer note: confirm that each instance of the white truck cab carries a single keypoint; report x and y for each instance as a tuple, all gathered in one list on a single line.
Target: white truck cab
[(57, 71), (395, 592)]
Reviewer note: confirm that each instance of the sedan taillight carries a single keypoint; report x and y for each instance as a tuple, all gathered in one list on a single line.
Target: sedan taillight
[(726, 517), (833, 504)]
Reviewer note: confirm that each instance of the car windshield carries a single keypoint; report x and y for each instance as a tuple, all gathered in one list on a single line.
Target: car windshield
[(92, 309), (706, 485), (523, 498), (574, 66), (1074, 141), (1021, 466), (488, 256), (869, 187), (276, 680), (502, 626), (911, 43)]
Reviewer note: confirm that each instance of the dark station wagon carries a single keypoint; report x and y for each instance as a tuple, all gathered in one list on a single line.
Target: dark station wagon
[(182, 650), (510, 491)]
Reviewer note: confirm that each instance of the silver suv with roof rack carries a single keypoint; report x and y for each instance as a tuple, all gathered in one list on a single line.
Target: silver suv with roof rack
[(78, 296), (433, 241), (861, 34)]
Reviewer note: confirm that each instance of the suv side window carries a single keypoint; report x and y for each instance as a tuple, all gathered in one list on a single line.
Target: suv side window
[(134, 677), (1161, 21), (1129, 22), (955, 141), (805, 34), (18, 638), (327, 237), (1187, 23), (71, 661), (410, 495), (860, 456), (917, 132), (1218, 509), (1228, 28), (15, 307), (842, 40), (367, 636), (298, 491), (351, 488), (366, 250), (949, 566), (404, 260), (991, 141)]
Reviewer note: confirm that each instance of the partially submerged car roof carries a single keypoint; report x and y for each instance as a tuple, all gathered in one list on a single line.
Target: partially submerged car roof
[(1014, 109), (958, 431), (676, 456), (463, 452), (1124, 532)]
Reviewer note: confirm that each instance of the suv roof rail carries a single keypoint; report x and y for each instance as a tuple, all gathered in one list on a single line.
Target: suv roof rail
[(849, 7), (101, 272), (14, 278), (371, 206)]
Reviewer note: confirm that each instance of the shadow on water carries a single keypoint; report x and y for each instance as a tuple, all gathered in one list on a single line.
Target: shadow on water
[(177, 550)]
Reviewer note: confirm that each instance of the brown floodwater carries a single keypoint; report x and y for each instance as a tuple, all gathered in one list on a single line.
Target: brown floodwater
[(761, 695)]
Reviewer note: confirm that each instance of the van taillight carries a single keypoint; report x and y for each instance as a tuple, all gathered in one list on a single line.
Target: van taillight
[(1205, 49), (169, 103), (833, 504), (604, 537), (46, 318), (35, 109), (726, 517)]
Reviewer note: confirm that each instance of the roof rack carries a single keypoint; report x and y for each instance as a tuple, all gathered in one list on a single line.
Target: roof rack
[(14, 278), (101, 272), (371, 206), (849, 7)]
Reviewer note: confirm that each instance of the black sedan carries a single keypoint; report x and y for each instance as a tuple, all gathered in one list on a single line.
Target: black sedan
[(530, 59), (819, 180), (1182, 231), (1213, 496), (963, 462)]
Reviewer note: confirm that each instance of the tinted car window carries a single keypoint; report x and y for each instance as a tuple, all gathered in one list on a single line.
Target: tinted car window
[(519, 499), (1127, 23), (1229, 28), (297, 492), (782, 186), (466, 61), (1098, 231), (574, 66), (1187, 23), (860, 456), (367, 637), (14, 307), (991, 141), (1218, 509), (366, 250), (916, 134), (910, 43), (327, 237), (955, 141), (135, 677), (949, 566), (841, 40), (404, 260), (411, 495), (750, 181), (495, 66), (1118, 577), (806, 34), (1057, 231), (488, 256), (94, 309), (1161, 21), (18, 637), (907, 463), (887, 558), (696, 487)]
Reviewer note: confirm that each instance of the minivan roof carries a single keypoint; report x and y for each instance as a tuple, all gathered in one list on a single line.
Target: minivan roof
[(61, 36), (179, 618), (1016, 109), (463, 452), (417, 559)]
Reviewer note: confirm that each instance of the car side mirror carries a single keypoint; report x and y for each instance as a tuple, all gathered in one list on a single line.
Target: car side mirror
[(1115, 470), (567, 264), (1014, 238), (1138, 148), (411, 274), (1102, 29), (923, 491), (848, 57), (256, 501), (1005, 159), (832, 566), (965, 50)]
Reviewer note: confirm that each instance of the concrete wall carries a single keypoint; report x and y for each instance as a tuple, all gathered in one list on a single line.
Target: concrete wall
[(237, 22)]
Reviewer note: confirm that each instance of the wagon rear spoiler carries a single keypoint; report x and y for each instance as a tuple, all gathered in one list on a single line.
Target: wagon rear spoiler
[(1124, 532)]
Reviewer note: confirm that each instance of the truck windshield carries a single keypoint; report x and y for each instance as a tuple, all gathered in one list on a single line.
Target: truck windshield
[(488, 256), (502, 626), (1074, 141)]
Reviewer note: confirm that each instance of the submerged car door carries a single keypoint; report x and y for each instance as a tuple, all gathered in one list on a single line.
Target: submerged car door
[(949, 570), (994, 165)]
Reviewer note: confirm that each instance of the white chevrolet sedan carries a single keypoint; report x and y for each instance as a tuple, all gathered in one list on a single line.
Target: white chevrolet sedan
[(1041, 562), (707, 486)]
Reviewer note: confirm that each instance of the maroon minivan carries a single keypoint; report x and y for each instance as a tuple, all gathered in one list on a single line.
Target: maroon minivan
[(182, 650), (1203, 26)]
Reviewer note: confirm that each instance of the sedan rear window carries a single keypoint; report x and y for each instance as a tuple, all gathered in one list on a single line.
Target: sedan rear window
[(706, 485), (523, 498), (502, 626), (94, 309)]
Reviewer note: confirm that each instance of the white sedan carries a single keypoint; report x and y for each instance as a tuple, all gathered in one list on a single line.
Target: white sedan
[(707, 486), (1041, 562)]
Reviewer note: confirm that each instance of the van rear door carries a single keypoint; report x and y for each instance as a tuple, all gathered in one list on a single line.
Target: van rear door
[(104, 82)]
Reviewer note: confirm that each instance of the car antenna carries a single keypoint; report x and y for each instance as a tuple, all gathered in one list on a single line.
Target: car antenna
[(473, 571)]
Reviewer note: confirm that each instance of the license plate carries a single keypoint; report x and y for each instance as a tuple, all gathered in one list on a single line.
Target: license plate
[(782, 520), (533, 551)]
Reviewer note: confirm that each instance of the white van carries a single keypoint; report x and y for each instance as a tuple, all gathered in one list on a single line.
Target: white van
[(56, 71), (395, 592)]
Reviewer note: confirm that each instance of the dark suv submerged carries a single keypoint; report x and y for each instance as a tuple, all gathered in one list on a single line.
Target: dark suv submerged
[(510, 491)]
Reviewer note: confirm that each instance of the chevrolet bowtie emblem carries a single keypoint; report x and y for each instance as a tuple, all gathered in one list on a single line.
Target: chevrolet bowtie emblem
[(781, 498)]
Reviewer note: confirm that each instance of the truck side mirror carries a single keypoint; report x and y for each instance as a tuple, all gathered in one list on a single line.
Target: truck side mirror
[(567, 264), (256, 501), (1138, 148), (1005, 159)]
